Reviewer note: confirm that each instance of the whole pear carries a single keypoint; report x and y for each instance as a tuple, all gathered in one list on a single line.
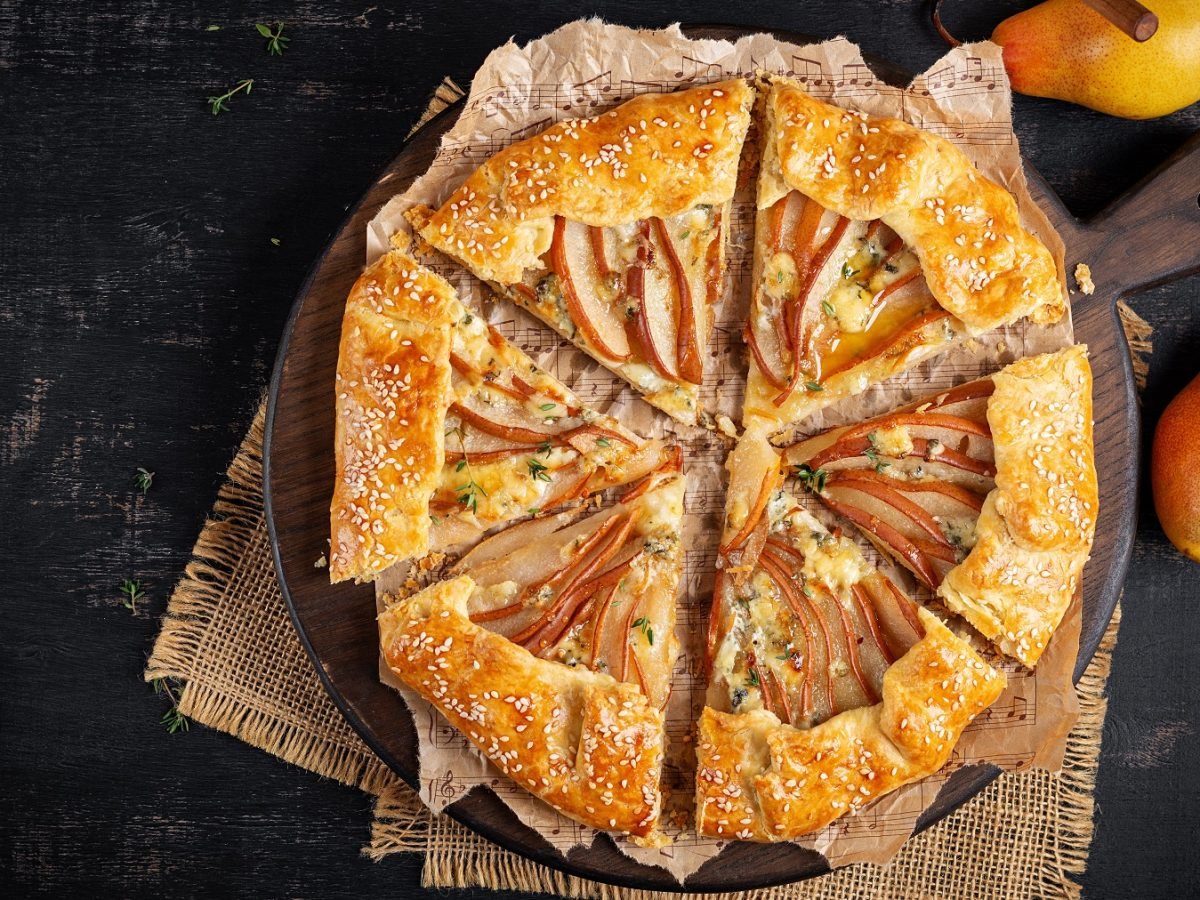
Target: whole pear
[(1066, 50), (1175, 470)]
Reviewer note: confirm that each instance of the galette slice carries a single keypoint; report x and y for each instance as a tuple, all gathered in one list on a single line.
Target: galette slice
[(829, 686), (445, 429), (598, 593), (584, 742), (877, 245), (801, 624), (760, 779), (986, 493), (612, 230)]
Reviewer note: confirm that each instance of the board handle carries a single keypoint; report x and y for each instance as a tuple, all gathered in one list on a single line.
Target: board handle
[(1150, 234)]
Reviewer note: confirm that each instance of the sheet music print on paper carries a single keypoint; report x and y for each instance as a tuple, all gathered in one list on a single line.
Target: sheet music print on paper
[(520, 91)]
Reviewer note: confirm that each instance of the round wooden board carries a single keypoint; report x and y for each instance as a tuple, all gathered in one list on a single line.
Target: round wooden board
[(336, 623)]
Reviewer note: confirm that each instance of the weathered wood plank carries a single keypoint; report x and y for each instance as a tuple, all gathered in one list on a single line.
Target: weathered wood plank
[(141, 301)]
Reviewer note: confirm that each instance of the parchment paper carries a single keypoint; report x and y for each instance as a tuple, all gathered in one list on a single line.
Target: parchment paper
[(588, 66)]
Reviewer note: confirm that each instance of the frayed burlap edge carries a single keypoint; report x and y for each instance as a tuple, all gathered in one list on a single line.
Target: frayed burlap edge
[(234, 533), (1137, 333)]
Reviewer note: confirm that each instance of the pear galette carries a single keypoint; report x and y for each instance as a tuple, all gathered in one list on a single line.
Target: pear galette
[(545, 631), (446, 429)]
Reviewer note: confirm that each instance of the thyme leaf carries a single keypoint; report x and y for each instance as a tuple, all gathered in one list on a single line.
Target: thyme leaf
[(276, 42), (173, 720), (133, 593), (143, 479), (813, 479), (644, 624)]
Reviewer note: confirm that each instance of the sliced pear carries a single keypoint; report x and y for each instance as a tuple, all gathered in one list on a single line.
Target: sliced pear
[(660, 306), (589, 290), (687, 348)]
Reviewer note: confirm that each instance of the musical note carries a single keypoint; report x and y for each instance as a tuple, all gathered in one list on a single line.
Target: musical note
[(936, 79), (593, 91), (807, 71), (631, 88), (692, 69), (446, 789), (856, 74)]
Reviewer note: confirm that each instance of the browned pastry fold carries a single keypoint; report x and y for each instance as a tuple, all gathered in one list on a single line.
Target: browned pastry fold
[(1037, 526), (588, 745), (979, 262), (760, 780), (653, 156), (393, 374)]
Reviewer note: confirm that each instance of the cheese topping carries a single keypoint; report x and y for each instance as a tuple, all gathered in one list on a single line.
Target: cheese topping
[(895, 442)]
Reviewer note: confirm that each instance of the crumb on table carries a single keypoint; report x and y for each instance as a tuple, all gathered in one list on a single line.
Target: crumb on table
[(1083, 279)]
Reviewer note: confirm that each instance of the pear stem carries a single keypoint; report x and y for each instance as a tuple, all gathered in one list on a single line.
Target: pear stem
[(1128, 15)]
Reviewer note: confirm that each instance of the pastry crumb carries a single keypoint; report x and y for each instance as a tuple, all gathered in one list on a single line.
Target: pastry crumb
[(1083, 279), (321, 562)]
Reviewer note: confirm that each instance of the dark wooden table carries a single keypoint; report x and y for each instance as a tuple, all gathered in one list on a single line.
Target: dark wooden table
[(149, 254)]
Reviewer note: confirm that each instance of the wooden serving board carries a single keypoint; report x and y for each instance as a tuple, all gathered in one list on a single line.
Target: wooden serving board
[(1147, 237)]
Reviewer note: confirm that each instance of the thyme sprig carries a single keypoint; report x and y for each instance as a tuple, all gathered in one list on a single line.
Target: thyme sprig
[(813, 479), (220, 104), (538, 471), (173, 720), (873, 455), (468, 493), (276, 42), (143, 479), (133, 593), (647, 631)]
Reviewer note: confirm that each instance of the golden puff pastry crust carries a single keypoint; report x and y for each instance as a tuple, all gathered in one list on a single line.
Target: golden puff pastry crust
[(979, 262), (393, 376), (656, 155), (760, 780), (585, 743), (1036, 528)]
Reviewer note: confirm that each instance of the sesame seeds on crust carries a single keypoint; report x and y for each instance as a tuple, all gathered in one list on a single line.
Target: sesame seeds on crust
[(758, 779), (393, 371), (655, 155), (979, 262), (1037, 526), (597, 754)]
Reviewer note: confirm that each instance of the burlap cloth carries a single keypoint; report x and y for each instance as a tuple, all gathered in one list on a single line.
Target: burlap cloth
[(227, 638)]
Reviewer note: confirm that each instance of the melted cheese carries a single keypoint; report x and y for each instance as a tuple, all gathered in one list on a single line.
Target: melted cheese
[(959, 530), (662, 508), (895, 442), (833, 562), (852, 306), (780, 278)]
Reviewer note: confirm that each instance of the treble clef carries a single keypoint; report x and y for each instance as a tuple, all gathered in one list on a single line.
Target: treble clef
[(446, 789)]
